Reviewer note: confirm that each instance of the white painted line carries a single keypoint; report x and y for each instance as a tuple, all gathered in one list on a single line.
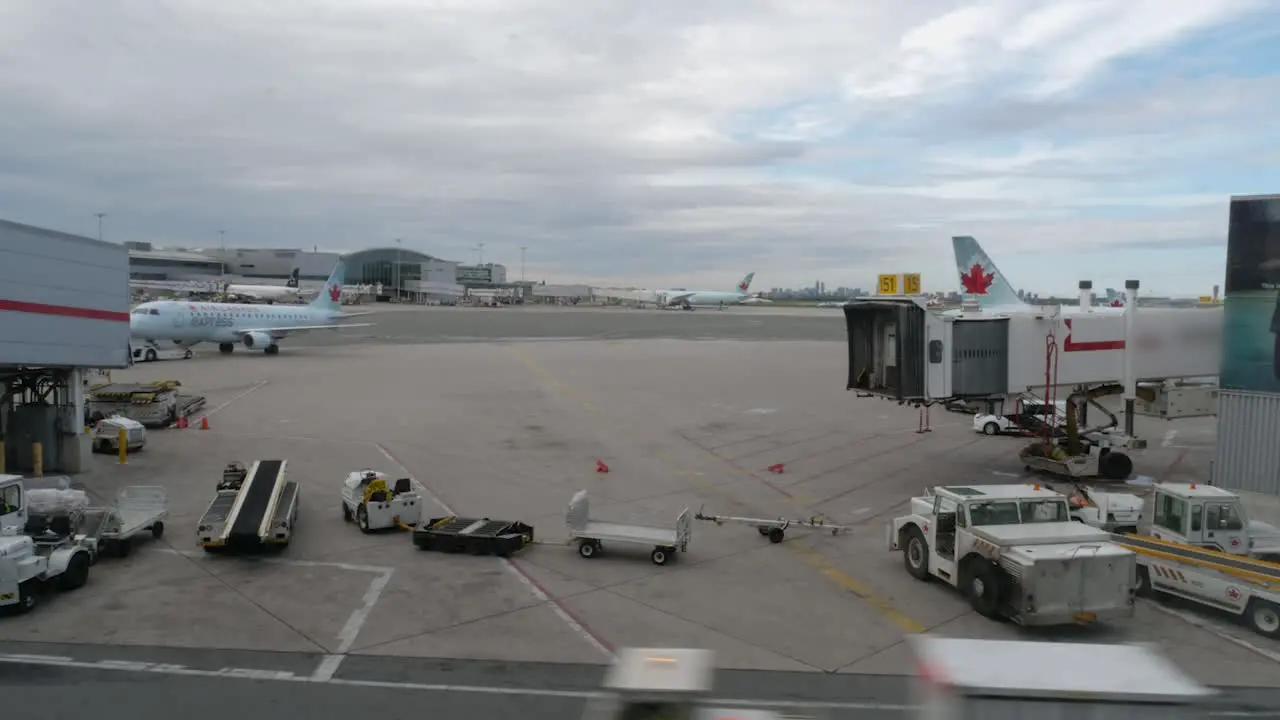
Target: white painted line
[(1212, 628), (1169, 437), (536, 590), (1005, 474), (282, 561), (351, 630), (224, 405)]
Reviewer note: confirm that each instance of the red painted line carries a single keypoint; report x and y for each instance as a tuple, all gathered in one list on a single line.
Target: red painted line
[(1069, 345), (62, 311)]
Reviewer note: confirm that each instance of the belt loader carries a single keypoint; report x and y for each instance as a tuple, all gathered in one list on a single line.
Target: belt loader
[(254, 508)]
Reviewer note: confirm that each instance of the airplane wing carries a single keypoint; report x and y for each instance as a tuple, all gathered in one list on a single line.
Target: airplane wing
[(279, 332)]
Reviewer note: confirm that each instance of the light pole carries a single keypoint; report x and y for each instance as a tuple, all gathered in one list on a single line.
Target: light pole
[(480, 252), (399, 259), (222, 237), (100, 216), (522, 249)]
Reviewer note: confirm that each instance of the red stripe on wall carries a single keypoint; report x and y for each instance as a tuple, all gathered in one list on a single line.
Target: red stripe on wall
[(62, 311)]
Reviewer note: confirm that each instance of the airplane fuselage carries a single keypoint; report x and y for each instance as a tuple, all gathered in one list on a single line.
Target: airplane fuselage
[(265, 292), (700, 298), (190, 323)]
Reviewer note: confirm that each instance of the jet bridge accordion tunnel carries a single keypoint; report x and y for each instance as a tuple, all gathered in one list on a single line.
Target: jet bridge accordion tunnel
[(886, 348)]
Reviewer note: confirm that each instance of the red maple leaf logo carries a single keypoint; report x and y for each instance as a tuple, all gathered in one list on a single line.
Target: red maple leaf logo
[(1117, 303), (977, 281), (335, 292)]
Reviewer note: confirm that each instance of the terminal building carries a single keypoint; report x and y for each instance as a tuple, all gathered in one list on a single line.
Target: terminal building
[(64, 310)]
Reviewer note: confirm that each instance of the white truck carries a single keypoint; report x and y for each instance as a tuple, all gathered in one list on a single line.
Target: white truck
[(374, 505), (1105, 509), (31, 564), (1014, 552), (961, 678), (106, 434)]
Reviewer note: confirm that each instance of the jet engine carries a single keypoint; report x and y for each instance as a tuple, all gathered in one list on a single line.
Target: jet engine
[(257, 339)]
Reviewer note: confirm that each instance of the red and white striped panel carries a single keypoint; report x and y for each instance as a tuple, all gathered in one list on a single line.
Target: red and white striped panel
[(1169, 574)]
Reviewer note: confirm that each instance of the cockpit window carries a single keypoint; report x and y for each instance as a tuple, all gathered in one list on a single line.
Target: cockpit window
[(139, 311), (153, 311)]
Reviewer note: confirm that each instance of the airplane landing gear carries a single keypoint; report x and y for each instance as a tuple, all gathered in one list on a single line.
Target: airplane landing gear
[(272, 349), (226, 348)]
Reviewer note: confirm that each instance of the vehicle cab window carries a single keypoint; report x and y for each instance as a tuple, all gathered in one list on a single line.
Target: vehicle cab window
[(1222, 516), (10, 499), (994, 513), (1171, 513), (1043, 511), (153, 311)]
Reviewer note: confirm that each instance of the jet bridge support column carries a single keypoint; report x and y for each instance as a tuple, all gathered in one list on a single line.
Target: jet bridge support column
[(1086, 296), (1130, 349)]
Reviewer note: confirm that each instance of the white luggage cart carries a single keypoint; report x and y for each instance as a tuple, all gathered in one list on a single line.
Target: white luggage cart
[(592, 534), (138, 509)]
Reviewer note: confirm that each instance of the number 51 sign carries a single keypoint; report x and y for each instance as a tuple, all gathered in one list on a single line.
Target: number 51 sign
[(905, 284)]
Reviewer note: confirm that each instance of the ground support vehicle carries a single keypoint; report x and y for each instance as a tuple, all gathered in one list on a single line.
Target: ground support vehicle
[(478, 536), (661, 684), (1099, 458), (592, 534), (31, 564), (106, 434), (775, 529), (373, 505), (152, 353), (1030, 416), (157, 404), (138, 510), (254, 508), (1110, 511), (961, 678), (1014, 552), (1212, 518)]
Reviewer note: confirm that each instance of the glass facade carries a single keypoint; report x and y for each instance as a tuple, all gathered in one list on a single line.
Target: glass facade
[(1251, 303), (384, 265)]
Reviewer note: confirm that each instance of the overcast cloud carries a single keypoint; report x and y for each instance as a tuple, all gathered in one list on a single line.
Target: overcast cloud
[(654, 143)]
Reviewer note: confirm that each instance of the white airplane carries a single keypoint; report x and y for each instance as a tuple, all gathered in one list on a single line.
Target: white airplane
[(689, 299), (255, 326), (270, 293)]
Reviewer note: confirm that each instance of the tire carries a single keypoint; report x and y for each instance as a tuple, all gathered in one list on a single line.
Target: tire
[(124, 547), (157, 530), (660, 556), (362, 519), (28, 598), (915, 554), (187, 355), (1115, 466), (991, 429), (587, 549), (346, 513), (150, 355), (104, 446), (76, 574), (982, 588), (763, 531), (1143, 588), (776, 535), (1264, 618)]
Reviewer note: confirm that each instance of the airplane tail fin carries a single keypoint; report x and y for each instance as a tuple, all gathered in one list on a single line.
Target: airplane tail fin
[(745, 285), (1115, 298), (980, 279), (329, 298)]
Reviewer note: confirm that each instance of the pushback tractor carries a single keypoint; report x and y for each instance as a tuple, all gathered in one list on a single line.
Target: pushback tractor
[(253, 508), (32, 564), (1015, 552), (373, 504)]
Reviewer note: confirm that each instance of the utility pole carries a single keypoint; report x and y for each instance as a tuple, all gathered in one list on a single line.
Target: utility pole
[(480, 251), (522, 249), (222, 237), (100, 216)]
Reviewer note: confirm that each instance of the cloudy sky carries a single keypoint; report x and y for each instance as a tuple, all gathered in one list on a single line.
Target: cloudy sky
[(656, 143)]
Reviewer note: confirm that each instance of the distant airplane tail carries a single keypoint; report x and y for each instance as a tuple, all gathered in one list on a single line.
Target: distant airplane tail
[(980, 279), (330, 297), (1115, 298), (745, 285)]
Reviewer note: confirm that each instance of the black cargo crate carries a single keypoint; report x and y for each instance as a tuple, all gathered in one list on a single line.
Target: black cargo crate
[(478, 536)]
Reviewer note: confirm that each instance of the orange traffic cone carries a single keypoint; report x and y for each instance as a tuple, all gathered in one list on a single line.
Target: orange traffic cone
[(204, 423), (601, 467)]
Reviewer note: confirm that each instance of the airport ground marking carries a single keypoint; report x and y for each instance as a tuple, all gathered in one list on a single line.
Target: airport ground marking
[(811, 556), (541, 594), (256, 386), (1213, 629)]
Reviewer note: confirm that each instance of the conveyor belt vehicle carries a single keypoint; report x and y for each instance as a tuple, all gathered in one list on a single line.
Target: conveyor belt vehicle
[(1014, 552), (254, 507)]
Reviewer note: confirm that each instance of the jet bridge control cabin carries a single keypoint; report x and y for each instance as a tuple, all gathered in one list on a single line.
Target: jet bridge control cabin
[(902, 350)]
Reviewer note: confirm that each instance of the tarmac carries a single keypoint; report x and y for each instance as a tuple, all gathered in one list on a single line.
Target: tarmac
[(495, 414)]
